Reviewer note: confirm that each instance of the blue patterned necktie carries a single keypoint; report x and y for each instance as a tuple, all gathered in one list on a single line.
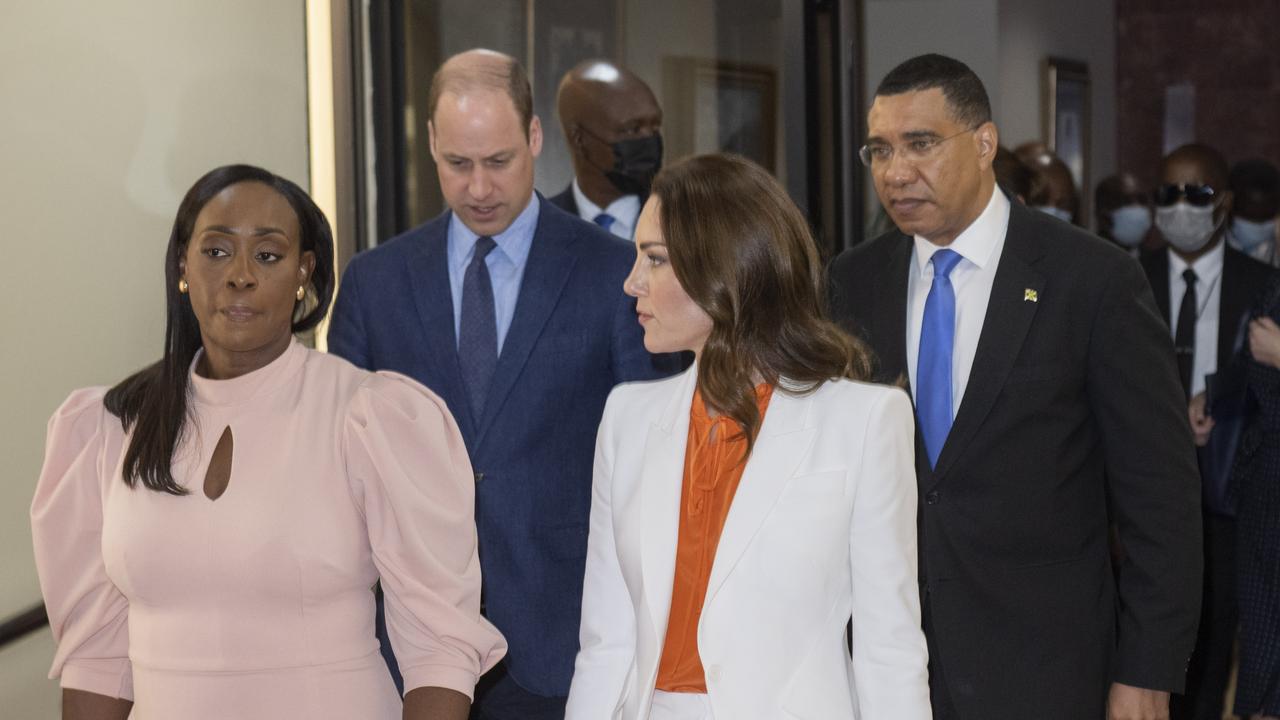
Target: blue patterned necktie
[(605, 220), (933, 368), (478, 328)]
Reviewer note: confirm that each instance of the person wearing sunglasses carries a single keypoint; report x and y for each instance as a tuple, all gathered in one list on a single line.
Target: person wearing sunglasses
[(1204, 288)]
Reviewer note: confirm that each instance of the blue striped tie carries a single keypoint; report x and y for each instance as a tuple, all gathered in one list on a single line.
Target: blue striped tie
[(933, 368)]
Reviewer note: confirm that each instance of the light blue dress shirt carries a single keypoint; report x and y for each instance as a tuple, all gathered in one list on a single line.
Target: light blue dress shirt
[(506, 264)]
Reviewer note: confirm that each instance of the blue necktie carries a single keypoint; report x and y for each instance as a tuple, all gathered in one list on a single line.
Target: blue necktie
[(933, 368), (605, 220), (478, 328)]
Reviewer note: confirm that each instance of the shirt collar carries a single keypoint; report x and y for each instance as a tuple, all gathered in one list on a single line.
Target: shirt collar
[(1208, 266), (623, 208), (977, 242), (513, 243)]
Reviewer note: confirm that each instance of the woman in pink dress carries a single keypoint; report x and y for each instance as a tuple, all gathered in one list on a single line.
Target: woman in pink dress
[(208, 531)]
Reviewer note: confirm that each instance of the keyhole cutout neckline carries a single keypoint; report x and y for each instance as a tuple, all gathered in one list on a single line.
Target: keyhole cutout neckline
[(217, 476)]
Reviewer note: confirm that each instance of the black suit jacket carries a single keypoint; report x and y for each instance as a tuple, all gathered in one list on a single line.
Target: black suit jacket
[(565, 201), (1242, 282), (1073, 405), (1243, 279)]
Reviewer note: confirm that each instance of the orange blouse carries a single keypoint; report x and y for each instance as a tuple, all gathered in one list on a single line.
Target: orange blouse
[(713, 465)]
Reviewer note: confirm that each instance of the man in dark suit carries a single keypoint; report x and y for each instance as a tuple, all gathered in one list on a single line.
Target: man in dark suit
[(611, 123), (1204, 289), (513, 312), (1045, 392)]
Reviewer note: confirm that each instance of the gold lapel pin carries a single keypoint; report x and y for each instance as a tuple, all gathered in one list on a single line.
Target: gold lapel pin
[(1030, 295)]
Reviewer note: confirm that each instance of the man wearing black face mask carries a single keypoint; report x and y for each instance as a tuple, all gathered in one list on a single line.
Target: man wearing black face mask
[(611, 121), (1204, 288)]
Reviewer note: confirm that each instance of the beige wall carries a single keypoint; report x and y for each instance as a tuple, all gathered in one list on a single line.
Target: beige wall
[(108, 112)]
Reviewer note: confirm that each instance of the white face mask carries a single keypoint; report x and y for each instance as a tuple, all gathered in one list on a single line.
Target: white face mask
[(1130, 224), (1187, 228), (1059, 213), (1247, 235)]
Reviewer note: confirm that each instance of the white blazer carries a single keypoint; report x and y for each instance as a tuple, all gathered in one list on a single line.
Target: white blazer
[(822, 528)]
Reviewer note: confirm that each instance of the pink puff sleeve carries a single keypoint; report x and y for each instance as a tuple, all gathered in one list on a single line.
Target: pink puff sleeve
[(409, 472), (87, 613)]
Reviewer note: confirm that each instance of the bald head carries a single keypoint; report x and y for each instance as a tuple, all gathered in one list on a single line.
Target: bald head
[(606, 97), (1052, 184), (600, 104), (484, 71), (1195, 164)]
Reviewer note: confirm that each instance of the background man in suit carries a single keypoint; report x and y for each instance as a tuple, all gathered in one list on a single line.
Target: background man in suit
[(1045, 389), (513, 312), (1204, 289), (1255, 204), (611, 121)]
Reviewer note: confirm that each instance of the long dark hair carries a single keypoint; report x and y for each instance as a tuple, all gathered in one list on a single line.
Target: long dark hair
[(743, 252), (153, 401)]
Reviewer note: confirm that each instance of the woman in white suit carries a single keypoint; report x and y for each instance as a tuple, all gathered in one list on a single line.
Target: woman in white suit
[(744, 511)]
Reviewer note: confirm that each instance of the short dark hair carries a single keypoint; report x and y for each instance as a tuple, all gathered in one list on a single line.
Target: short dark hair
[(1256, 175), (153, 402), (499, 72), (965, 94), (1012, 174)]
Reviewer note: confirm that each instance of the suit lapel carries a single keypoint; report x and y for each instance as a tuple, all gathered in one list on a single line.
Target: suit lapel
[(783, 443), (545, 274), (1157, 267), (1233, 303), (1010, 311), (429, 271), (890, 313), (661, 482)]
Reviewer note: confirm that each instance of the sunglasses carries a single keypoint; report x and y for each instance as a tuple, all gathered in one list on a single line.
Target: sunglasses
[(1197, 195)]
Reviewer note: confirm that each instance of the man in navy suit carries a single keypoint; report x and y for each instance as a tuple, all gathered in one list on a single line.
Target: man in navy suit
[(513, 312)]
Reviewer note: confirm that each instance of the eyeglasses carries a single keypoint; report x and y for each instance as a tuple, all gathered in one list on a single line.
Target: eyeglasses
[(916, 151), (1198, 195)]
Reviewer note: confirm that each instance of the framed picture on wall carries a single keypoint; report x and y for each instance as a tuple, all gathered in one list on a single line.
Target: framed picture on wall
[(1066, 118), (712, 106)]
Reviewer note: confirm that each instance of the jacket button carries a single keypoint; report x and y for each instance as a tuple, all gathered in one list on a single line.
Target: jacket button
[(479, 477), (932, 498)]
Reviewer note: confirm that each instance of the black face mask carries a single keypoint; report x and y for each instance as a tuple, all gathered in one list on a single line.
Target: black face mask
[(635, 163)]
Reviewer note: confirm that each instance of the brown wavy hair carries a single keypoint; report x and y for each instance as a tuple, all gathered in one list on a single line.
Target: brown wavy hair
[(743, 252)]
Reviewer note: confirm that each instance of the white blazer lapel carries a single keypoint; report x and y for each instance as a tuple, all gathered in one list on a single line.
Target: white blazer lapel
[(661, 480), (783, 443)]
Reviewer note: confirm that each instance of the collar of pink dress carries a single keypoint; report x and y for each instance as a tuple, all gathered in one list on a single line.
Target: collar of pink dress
[(251, 385)]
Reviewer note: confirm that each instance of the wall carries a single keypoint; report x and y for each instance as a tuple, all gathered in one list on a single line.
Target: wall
[(1030, 31), (1227, 53), (108, 112)]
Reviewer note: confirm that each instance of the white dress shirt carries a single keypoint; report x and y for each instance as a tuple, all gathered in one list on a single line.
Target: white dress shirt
[(1208, 269), (980, 246), (624, 210)]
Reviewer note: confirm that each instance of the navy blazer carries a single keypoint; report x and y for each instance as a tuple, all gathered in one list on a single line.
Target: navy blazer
[(574, 337)]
